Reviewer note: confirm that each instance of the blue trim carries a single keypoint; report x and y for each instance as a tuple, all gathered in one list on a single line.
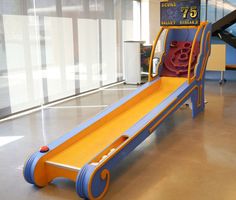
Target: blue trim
[(27, 171), (82, 180)]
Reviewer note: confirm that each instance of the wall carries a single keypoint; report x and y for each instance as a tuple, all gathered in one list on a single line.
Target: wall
[(216, 10), (150, 18), (230, 51), (154, 18)]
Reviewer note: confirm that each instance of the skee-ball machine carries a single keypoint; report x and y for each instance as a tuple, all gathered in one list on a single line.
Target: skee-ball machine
[(87, 154)]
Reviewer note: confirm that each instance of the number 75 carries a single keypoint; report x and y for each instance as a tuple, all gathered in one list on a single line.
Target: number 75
[(192, 10)]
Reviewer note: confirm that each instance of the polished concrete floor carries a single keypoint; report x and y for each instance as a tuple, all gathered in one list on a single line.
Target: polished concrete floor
[(185, 159)]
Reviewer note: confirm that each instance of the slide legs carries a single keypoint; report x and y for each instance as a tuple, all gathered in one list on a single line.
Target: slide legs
[(197, 99)]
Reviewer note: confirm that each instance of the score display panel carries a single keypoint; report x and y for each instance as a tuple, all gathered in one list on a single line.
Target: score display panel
[(180, 13)]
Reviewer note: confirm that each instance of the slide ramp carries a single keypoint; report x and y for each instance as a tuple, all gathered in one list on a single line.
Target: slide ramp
[(67, 158)]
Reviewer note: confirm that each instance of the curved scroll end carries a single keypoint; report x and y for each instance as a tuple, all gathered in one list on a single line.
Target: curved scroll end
[(82, 180), (28, 170), (92, 182)]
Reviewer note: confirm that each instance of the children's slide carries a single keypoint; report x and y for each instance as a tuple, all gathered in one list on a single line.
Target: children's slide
[(87, 154)]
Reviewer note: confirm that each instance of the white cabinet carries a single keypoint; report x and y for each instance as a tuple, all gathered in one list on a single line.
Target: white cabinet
[(217, 60), (132, 61)]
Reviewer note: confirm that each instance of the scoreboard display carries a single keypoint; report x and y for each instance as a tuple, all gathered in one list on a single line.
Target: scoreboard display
[(180, 13)]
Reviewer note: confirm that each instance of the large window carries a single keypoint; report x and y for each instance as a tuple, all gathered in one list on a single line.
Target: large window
[(213, 10), (52, 49)]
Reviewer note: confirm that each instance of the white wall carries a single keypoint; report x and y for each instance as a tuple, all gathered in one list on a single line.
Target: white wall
[(150, 19), (23, 61), (145, 18), (59, 57), (109, 51), (154, 18), (88, 34)]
